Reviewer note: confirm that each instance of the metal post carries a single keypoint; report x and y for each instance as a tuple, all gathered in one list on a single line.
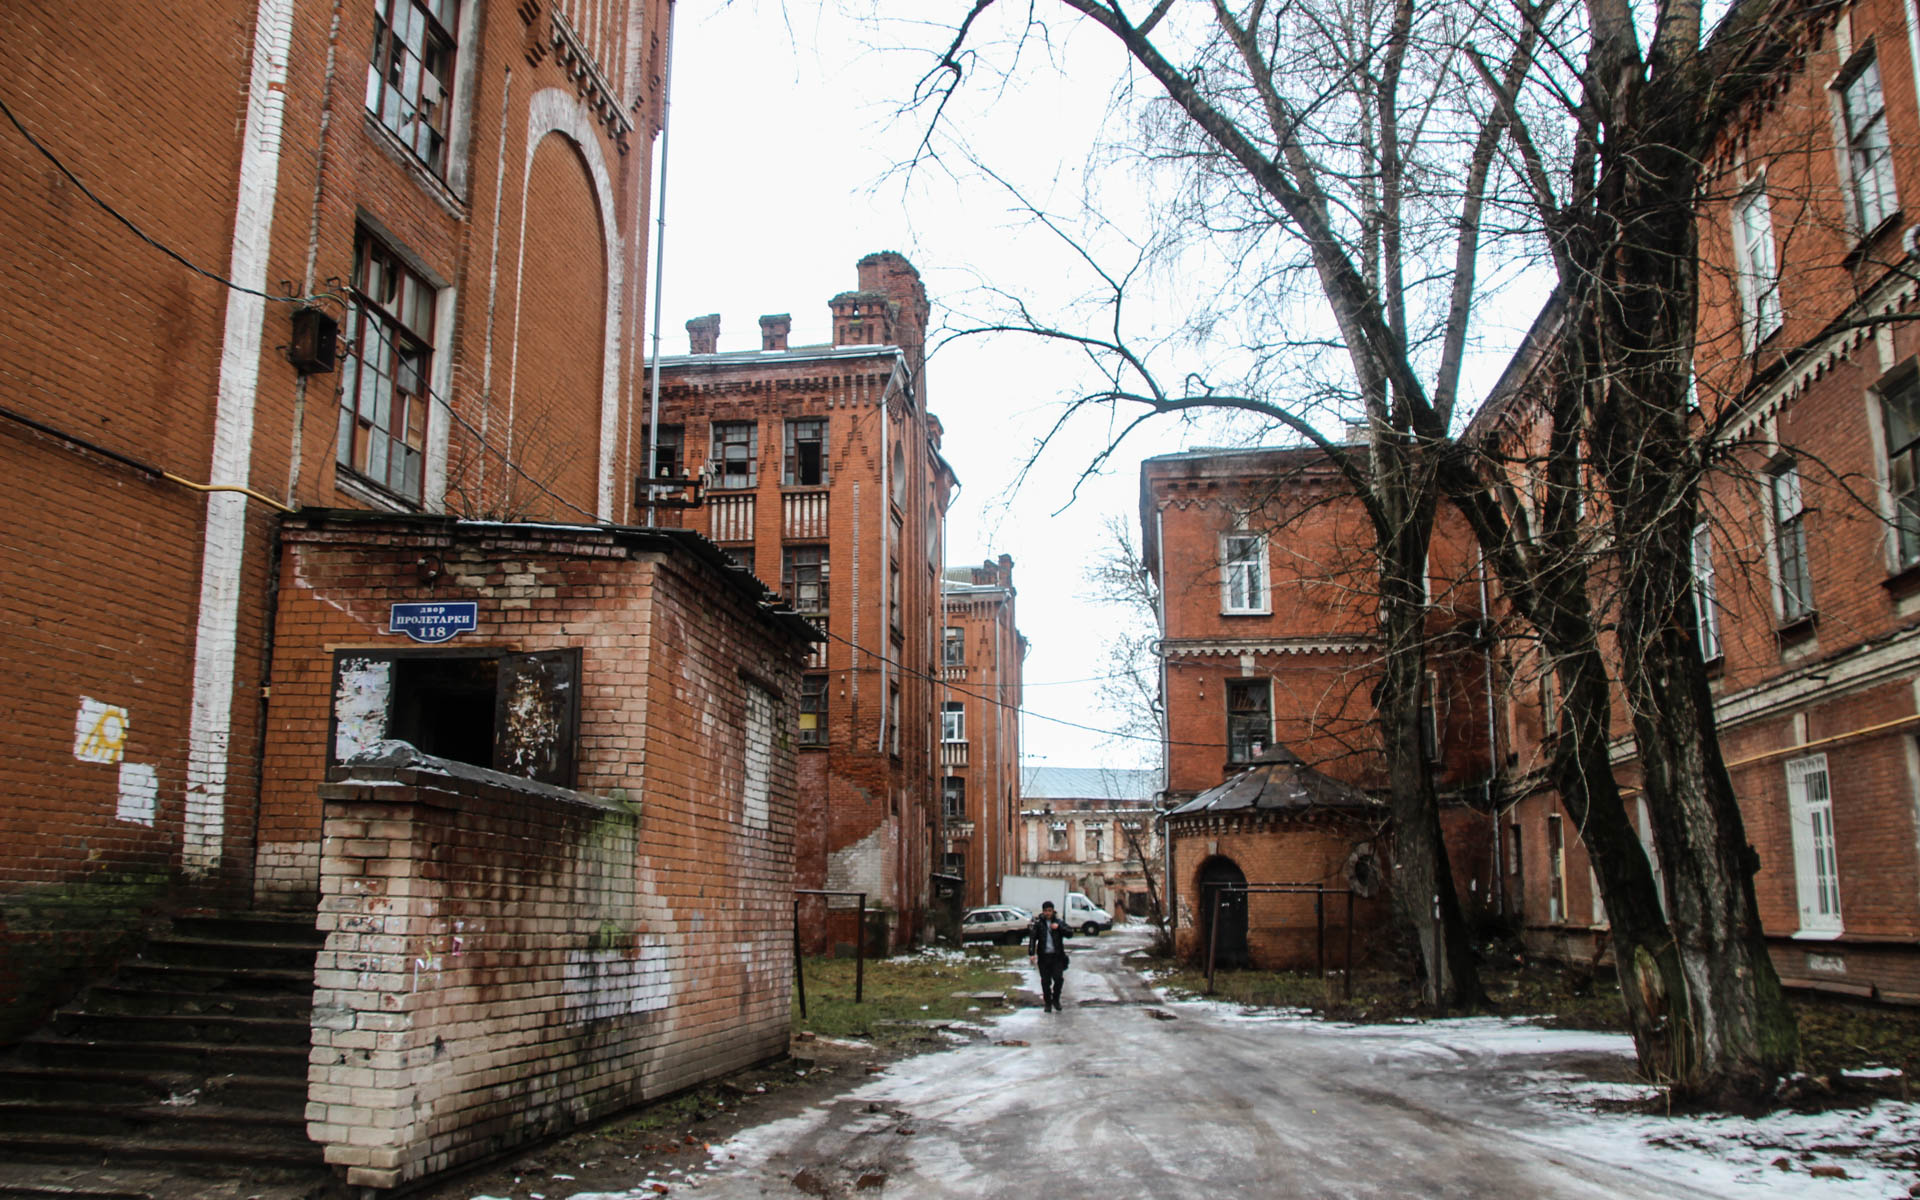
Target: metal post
[(860, 956), (1439, 964), (1320, 928), (799, 966), (1348, 960), (1213, 936)]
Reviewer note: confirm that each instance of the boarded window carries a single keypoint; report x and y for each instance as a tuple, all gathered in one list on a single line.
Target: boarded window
[(756, 795), (514, 713)]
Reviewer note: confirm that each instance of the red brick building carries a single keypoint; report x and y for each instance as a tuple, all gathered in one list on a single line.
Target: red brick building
[(1268, 619), (981, 656), (461, 189), (823, 476), (1807, 561)]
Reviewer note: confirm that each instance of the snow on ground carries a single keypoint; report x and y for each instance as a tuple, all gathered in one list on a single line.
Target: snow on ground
[(1875, 1145)]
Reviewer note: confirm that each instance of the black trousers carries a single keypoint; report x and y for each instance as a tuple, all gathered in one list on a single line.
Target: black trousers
[(1053, 967)]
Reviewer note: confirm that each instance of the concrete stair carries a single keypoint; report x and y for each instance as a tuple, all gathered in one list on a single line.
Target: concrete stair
[(193, 1055)]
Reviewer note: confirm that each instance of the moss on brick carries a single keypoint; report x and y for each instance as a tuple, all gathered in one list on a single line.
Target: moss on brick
[(58, 935)]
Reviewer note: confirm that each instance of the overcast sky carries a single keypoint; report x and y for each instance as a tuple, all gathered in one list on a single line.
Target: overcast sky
[(787, 135)]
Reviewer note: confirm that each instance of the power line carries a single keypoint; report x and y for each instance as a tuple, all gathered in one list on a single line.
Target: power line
[(998, 703)]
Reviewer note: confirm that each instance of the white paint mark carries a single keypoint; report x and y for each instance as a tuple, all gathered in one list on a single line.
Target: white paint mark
[(607, 983), (139, 793), (99, 731)]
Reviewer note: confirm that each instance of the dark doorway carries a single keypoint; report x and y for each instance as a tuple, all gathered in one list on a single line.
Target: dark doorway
[(444, 706), (1230, 947)]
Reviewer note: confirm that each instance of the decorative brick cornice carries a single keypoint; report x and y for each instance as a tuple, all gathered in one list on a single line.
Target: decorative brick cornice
[(573, 57), (1225, 648)]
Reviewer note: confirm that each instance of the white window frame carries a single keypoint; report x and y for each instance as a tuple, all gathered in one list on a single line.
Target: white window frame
[(953, 721), (1706, 605), (1756, 266), (1816, 865), (1244, 586), (1793, 570), (1866, 151)]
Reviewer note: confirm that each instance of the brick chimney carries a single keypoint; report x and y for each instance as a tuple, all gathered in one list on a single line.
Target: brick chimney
[(862, 318), (773, 331), (704, 333)]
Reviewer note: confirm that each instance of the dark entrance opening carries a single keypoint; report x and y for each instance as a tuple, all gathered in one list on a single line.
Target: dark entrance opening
[(1230, 946), (444, 706)]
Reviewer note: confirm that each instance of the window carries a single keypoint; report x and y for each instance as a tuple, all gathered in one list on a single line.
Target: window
[(384, 384), (515, 713), (1815, 869), (1057, 836), (1901, 405), (813, 710), (757, 794), (899, 482), (806, 461), (1556, 872), (953, 647), (893, 733), (803, 576), (743, 555), (1094, 837), (953, 798), (410, 75), (669, 460), (953, 721), (893, 600), (735, 454), (1790, 543), (1549, 704), (1757, 266), (1705, 608), (1243, 573), (1863, 114), (1249, 718)]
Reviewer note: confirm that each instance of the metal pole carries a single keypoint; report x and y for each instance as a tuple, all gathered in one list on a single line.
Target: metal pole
[(799, 966), (1213, 936), (1320, 929), (659, 278), (1439, 964), (1348, 960), (860, 956)]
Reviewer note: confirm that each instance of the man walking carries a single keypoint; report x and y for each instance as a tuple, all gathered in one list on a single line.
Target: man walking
[(1047, 948)]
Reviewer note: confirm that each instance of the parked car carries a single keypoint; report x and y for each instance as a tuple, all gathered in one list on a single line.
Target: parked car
[(1001, 923)]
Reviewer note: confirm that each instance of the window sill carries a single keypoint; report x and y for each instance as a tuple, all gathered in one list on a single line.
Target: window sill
[(422, 174), (1246, 612), (1818, 935), (1797, 629), (1858, 254), (351, 483), (1903, 582)]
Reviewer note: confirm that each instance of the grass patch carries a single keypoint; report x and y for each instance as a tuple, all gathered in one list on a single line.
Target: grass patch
[(900, 992)]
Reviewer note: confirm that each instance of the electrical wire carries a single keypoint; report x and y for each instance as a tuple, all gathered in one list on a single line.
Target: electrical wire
[(998, 703), (142, 234)]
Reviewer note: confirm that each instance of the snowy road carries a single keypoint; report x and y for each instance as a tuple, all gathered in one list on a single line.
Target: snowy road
[(1124, 1096)]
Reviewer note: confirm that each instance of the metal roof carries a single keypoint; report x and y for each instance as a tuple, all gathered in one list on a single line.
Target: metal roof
[(1088, 783), (1279, 780)]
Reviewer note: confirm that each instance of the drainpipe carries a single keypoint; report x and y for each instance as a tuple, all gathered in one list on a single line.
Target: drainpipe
[(223, 553), (659, 274)]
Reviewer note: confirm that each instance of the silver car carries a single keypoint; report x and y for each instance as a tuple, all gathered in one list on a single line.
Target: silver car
[(1001, 923)]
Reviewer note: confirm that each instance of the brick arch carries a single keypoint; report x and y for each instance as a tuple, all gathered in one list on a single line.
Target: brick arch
[(554, 111)]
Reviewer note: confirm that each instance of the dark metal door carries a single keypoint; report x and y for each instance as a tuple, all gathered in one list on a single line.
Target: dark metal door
[(1230, 948)]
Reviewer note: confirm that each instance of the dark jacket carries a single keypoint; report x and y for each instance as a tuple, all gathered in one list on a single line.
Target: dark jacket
[(1060, 934)]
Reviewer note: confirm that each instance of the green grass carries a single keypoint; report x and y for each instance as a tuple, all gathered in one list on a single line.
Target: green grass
[(899, 992)]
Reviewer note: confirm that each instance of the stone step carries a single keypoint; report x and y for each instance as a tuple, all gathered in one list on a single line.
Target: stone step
[(210, 1153), (214, 1029), (187, 977), (191, 1122), (230, 953), (285, 928), (281, 1062), (108, 1085), (129, 999)]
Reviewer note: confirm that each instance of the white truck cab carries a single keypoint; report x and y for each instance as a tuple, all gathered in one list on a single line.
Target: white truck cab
[(1086, 916)]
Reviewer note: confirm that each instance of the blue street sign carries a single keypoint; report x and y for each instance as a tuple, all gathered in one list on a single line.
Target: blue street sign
[(436, 622)]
